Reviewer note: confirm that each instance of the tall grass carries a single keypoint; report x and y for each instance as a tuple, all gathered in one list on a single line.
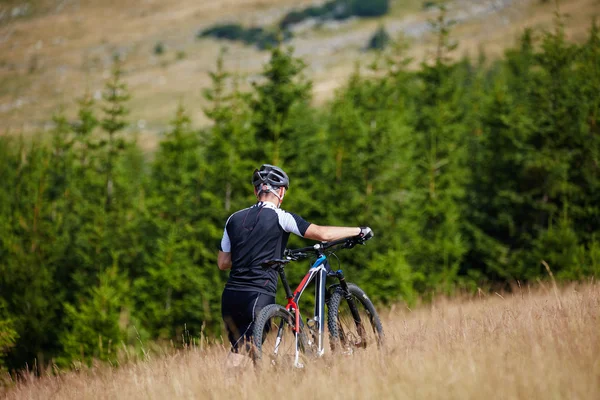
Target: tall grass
[(530, 344)]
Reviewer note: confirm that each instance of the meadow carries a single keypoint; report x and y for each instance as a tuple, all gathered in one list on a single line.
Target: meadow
[(541, 343)]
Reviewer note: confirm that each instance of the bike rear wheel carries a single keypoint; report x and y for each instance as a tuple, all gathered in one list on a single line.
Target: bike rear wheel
[(347, 333), (274, 339)]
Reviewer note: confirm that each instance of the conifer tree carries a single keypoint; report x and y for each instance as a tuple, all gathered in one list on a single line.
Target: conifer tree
[(8, 335), (283, 88), (435, 207), (178, 286), (115, 95), (561, 171), (96, 330), (370, 139), (83, 129), (231, 148), (28, 267)]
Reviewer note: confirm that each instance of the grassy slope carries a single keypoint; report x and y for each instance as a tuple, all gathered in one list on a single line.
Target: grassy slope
[(535, 344), (63, 48)]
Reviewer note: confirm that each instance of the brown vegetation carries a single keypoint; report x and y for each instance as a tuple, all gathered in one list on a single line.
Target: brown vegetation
[(530, 344)]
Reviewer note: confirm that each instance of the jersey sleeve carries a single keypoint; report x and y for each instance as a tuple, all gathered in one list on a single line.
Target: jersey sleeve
[(225, 242), (225, 245), (293, 223)]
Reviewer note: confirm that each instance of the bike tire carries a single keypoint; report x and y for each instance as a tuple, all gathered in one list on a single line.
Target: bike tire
[(345, 334), (266, 347)]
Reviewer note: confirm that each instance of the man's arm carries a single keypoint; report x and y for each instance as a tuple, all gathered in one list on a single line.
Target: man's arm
[(224, 260), (329, 233)]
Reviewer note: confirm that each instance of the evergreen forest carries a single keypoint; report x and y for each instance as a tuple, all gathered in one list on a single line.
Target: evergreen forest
[(474, 174)]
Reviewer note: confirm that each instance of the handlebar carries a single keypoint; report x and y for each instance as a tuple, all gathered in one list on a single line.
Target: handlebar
[(319, 248)]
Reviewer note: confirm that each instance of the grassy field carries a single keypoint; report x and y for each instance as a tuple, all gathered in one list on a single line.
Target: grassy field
[(53, 51), (531, 344)]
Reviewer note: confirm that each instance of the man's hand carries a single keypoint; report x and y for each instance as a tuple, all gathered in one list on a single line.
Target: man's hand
[(365, 233)]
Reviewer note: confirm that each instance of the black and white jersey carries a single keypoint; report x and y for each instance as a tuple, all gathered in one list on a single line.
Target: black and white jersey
[(254, 235)]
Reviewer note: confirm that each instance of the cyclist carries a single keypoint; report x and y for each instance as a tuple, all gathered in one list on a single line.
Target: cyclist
[(257, 234)]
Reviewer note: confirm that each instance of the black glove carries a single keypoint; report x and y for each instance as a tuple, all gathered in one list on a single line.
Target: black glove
[(365, 234)]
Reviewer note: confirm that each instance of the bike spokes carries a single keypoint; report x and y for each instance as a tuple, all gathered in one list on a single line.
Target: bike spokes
[(352, 322)]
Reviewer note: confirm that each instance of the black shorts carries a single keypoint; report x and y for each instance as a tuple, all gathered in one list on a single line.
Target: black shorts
[(239, 310)]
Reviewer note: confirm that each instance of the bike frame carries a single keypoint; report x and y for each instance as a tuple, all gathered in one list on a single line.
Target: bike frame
[(318, 271)]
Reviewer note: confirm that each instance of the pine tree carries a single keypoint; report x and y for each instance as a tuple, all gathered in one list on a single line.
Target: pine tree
[(28, 267), (97, 324), (496, 210), (435, 204), (179, 285), (8, 335), (231, 148), (283, 88), (115, 95)]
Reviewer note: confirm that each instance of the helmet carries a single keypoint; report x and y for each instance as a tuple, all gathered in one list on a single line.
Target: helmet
[(270, 175)]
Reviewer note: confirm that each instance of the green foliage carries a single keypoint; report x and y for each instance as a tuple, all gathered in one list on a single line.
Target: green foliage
[(379, 40), (284, 87), (176, 275), (337, 10), (115, 95), (159, 48), (8, 335), (429, 4), (257, 36), (231, 146), (223, 31), (97, 324), (370, 8)]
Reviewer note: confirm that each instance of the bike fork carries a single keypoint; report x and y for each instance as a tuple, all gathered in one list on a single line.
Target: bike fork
[(351, 303), (320, 310), (297, 363)]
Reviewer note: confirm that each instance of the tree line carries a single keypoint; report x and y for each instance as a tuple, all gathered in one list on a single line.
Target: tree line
[(472, 174)]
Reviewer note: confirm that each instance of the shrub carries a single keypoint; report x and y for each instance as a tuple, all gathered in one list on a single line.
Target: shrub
[(338, 10), (370, 8), (159, 48), (223, 31), (429, 4), (267, 40), (379, 40), (293, 17), (253, 35), (257, 36), (8, 335)]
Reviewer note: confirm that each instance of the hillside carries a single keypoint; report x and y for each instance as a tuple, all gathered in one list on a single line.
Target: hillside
[(53, 51), (531, 344)]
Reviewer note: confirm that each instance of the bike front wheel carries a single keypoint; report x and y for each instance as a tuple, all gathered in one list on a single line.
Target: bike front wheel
[(352, 321), (275, 342)]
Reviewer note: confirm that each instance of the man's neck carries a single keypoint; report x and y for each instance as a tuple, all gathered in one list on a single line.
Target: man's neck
[(270, 201)]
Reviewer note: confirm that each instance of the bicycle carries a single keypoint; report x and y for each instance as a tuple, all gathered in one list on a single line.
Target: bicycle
[(352, 320)]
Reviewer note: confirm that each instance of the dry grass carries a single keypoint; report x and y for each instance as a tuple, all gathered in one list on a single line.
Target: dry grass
[(527, 345)]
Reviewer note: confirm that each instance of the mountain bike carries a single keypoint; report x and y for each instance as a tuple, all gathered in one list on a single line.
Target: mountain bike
[(281, 338)]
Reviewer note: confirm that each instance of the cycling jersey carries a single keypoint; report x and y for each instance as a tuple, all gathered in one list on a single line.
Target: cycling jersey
[(256, 234)]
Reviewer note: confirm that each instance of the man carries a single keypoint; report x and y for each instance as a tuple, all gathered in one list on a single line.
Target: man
[(256, 234)]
